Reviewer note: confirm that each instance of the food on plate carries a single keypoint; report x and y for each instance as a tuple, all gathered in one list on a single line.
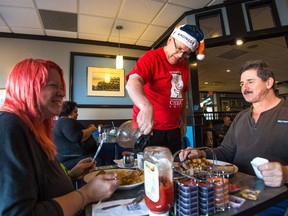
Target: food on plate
[(251, 194), (127, 177), (196, 163), (227, 168), (202, 164)]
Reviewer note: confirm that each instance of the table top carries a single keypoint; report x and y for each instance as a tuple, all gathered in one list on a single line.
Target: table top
[(267, 197)]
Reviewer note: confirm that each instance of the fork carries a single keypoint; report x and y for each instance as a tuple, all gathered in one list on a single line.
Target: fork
[(135, 201)]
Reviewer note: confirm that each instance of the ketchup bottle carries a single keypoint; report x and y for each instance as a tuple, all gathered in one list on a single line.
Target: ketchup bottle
[(158, 180)]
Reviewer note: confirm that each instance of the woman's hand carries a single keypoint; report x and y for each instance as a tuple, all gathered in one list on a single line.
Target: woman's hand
[(190, 153), (82, 168), (92, 127), (101, 187)]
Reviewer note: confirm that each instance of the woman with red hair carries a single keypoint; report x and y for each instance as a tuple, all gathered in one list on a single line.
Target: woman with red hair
[(32, 180)]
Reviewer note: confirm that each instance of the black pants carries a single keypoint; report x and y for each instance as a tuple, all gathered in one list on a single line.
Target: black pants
[(167, 138)]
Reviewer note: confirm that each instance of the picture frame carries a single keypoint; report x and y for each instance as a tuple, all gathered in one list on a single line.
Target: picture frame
[(79, 63), (2, 95), (233, 103), (105, 82), (240, 104), (225, 105)]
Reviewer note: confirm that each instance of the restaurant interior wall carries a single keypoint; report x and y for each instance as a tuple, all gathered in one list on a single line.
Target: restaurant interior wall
[(14, 50)]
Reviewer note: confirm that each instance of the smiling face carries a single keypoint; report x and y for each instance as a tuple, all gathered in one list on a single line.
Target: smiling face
[(52, 95), (176, 51), (253, 88)]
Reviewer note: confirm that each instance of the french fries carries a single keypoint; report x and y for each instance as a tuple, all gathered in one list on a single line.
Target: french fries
[(196, 163), (128, 177), (203, 164)]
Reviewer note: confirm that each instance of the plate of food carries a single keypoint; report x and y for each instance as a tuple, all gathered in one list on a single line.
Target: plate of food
[(191, 166), (129, 178)]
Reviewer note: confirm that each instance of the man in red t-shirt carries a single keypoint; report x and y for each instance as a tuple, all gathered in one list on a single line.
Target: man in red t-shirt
[(157, 86)]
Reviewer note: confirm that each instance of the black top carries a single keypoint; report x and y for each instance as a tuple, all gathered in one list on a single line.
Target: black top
[(67, 136), (28, 179)]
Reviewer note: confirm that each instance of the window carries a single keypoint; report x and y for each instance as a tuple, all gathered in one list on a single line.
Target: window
[(262, 16), (211, 24)]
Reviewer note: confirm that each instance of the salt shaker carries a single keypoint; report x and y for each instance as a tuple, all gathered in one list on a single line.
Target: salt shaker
[(128, 159)]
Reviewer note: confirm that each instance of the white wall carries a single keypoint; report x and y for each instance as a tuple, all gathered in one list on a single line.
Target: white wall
[(15, 50)]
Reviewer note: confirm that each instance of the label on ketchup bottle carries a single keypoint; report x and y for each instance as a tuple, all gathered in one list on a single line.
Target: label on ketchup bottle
[(151, 179)]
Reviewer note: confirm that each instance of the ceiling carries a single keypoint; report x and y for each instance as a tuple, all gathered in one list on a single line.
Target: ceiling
[(144, 22)]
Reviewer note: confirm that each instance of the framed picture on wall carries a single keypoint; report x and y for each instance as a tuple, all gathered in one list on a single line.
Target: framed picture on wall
[(80, 88), (225, 105), (233, 103), (240, 104), (105, 82)]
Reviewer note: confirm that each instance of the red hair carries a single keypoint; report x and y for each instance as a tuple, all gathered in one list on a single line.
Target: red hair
[(23, 88)]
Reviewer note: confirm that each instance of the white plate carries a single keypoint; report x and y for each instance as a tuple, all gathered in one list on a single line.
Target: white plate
[(222, 163), (120, 163), (91, 175)]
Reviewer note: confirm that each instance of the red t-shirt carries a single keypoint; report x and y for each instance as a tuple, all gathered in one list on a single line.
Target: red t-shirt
[(164, 86)]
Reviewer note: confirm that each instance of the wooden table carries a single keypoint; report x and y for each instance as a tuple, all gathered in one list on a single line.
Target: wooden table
[(267, 198)]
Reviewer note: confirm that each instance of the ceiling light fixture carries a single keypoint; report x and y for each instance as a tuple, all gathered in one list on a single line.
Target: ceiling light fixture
[(239, 42), (119, 58)]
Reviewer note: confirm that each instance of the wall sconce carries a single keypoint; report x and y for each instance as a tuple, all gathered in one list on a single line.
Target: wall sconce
[(119, 58)]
